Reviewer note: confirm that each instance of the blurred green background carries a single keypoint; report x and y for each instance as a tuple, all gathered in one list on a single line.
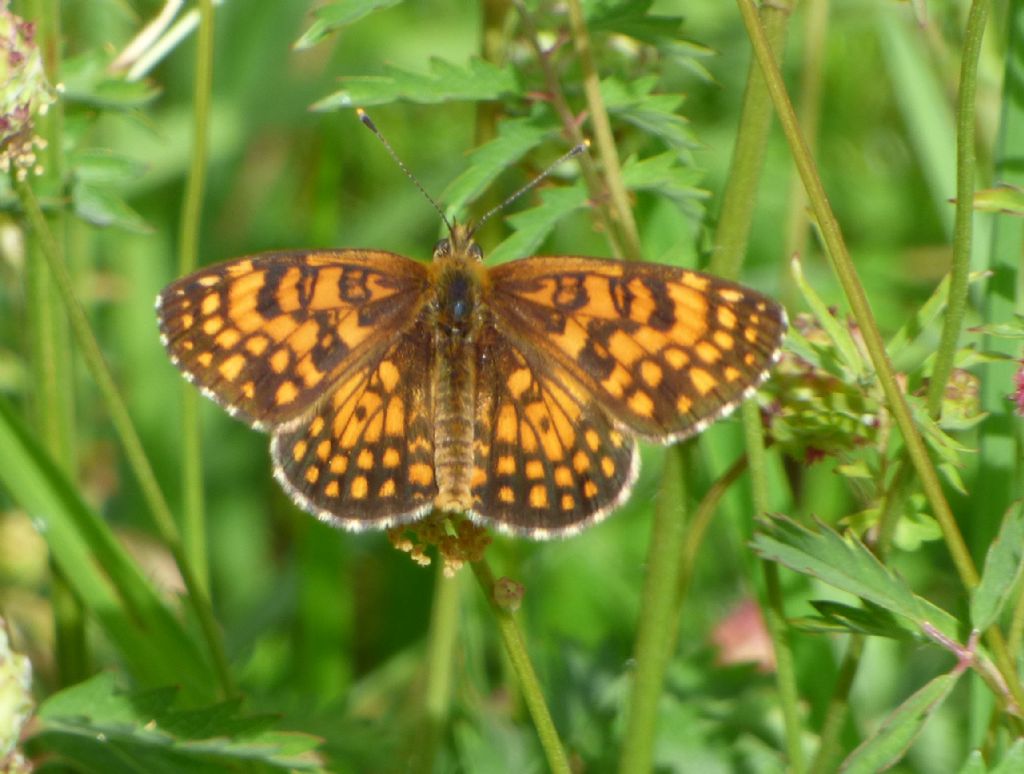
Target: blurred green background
[(328, 630)]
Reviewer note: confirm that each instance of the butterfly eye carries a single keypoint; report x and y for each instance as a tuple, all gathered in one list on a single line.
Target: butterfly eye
[(475, 252), (443, 248)]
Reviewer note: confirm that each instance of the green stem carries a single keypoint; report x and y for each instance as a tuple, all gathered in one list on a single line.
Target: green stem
[(962, 224), (121, 420), (732, 234), (854, 291), (829, 740), (604, 139), (529, 685), (775, 614), (193, 518), (659, 615)]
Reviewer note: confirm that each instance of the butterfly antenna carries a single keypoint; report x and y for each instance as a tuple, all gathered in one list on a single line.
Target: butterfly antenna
[(368, 123), (576, 151)]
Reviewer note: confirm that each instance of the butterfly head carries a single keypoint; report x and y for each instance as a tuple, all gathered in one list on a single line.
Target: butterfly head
[(459, 244)]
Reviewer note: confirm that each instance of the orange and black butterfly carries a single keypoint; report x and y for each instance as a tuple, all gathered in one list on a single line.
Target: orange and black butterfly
[(513, 393)]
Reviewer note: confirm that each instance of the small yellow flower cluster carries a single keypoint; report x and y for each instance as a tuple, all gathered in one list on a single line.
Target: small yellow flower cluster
[(458, 540)]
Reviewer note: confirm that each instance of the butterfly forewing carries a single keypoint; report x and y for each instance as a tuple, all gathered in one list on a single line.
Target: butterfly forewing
[(365, 456), (266, 336), (665, 351), (548, 459)]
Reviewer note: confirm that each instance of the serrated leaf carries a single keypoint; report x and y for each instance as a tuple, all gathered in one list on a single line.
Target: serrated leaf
[(331, 17), (516, 137), (631, 18), (446, 82), (892, 739), (869, 619), (1004, 563), (532, 226), (102, 207), (86, 722), (656, 114), (662, 174), (848, 565)]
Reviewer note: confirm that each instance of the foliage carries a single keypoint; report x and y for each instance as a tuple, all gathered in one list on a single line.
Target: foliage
[(351, 657)]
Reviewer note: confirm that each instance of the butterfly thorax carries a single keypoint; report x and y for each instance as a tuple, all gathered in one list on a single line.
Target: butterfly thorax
[(457, 315)]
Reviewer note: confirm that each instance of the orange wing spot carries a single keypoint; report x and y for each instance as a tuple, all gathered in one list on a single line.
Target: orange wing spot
[(695, 281), (420, 443), (506, 495), (568, 502), (651, 373), (304, 339), (683, 404), (421, 474), (369, 403), (360, 486), (232, 367), (227, 338), (750, 334), (703, 381), (299, 450), (572, 339), (541, 419), (708, 352), (256, 345), (312, 474), (593, 440), (323, 450), (249, 390), (527, 438), (187, 321), (325, 289), (691, 308), (749, 359), (539, 496), (365, 460), (624, 349), (280, 359), (616, 438), (352, 333), (477, 478), (519, 381), (246, 286), (187, 345), (640, 403), (724, 340), (732, 374), (311, 375), (374, 428), (316, 426), (731, 295), (617, 381), (391, 457), (535, 469), (210, 304), (249, 321), (238, 268), (286, 393), (387, 489), (389, 375), (204, 359), (508, 421), (213, 325), (589, 490), (279, 328), (676, 358), (339, 464), (563, 476), (642, 306), (755, 319), (726, 317), (650, 339), (580, 462), (209, 281), (394, 417), (608, 467), (287, 295), (331, 490), (506, 465)]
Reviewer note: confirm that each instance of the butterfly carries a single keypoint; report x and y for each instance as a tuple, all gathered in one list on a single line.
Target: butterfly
[(514, 394)]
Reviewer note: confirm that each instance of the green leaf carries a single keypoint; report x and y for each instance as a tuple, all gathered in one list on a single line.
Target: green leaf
[(87, 79), (103, 577), (446, 82), (99, 205), (99, 165), (1005, 199), (1013, 761), (848, 565), (925, 315), (516, 137), (1010, 329), (333, 16), (532, 226), (869, 619), (1003, 565), (96, 727), (656, 114), (890, 742), (663, 174), (631, 17)]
